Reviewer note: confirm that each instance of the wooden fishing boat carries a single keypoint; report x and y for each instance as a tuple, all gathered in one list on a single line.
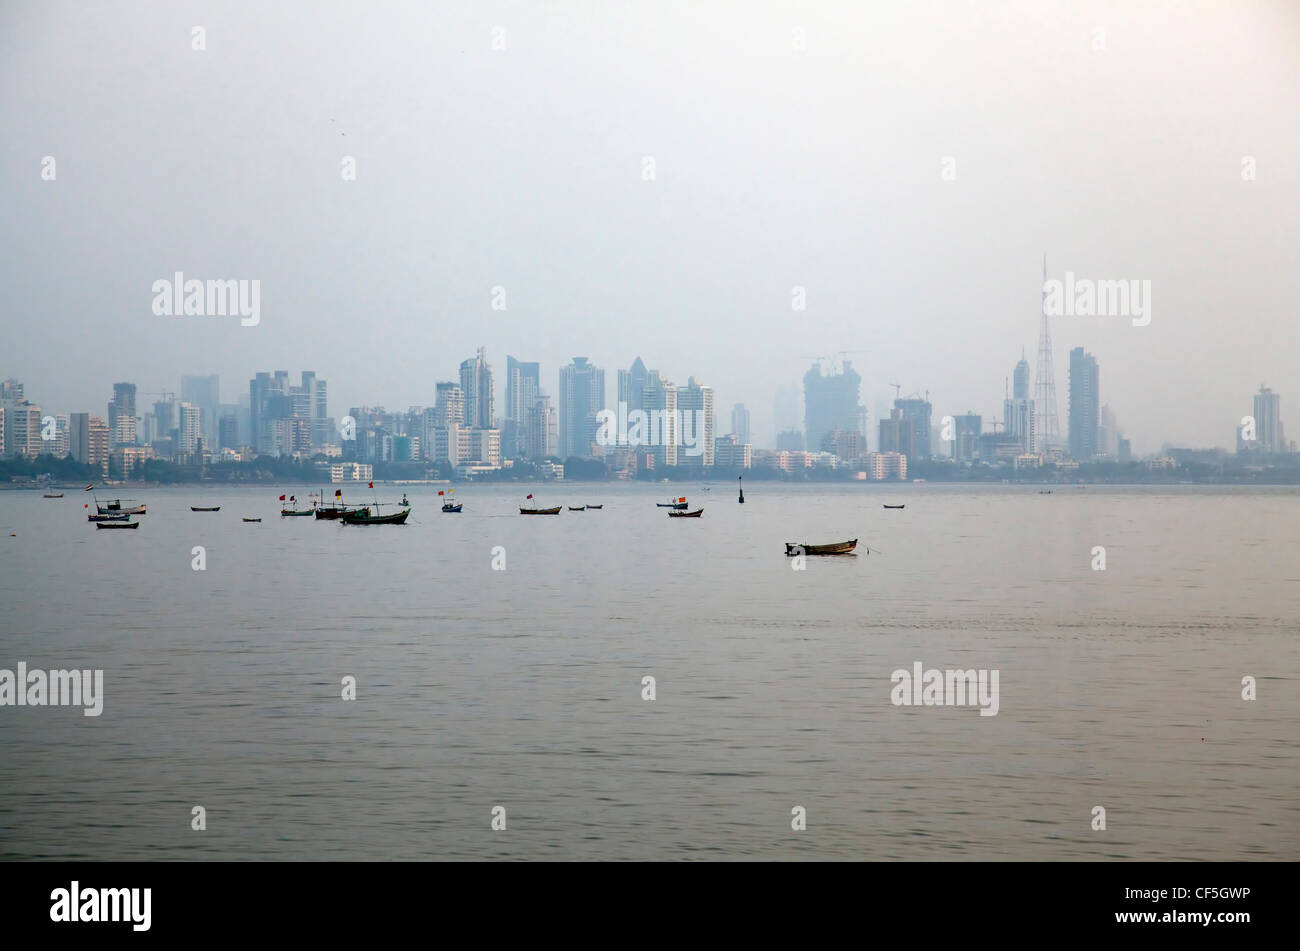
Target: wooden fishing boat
[(296, 513), (200, 508), (448, 503), (52, 495), (554, 511), (115, 507), (117, 524), (107, 518), (577, 508), (363, 517), (252, 520), (696, 514), (597, 507), (894, 506), (836, 548), (673, 504)]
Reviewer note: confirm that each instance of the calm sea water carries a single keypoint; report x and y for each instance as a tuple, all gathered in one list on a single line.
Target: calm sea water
[(523, 688)]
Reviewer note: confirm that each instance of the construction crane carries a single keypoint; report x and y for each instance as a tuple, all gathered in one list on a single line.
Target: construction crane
[(898, 390)]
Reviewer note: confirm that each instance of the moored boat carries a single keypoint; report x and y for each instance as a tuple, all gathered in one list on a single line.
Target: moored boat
[(115, 507), (200, 508), (577, 508), (52, 495), (835, 548), (597, 507), (448, 503), (672, 504), (696, 514), (107, 518), (363, 517), (117, 524), (894, 506), (554, 511), (252, 520)]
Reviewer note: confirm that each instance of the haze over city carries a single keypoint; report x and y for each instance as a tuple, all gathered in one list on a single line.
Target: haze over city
[(908, 169)]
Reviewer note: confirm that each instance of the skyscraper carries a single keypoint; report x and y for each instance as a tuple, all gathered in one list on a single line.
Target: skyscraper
[(740, 423), (966, 437), (476, 385), (189, 431), (831, 402), (1268, 420), (1048, 429), (121, 416), (695, 403), (914, 414), (540, 429), (582, 396), (1018, 409), (285, 419), (523, 383), (205, 393), (450, 405), (1085, 405)]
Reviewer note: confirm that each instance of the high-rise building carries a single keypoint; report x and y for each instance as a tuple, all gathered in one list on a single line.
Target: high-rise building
[(730, 453), (695, 404), (476, 385), (1048, 429), (22, 428), (121, 416), (189, 430), (1085, 405), (205, 393), (450, 405), (1108, 434), (540, 430), (523, 383), (914, 416), (659, 402), (1018, 409), (88, 440), (966, 437), (285, 419), (790, 440), (228, 431), (831, 402), (11, 389), (582, 396), (740, 423), (1268, 420)]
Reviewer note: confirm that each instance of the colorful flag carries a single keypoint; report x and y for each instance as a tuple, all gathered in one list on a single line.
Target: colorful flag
[(682, 499), (89, 487), (282, 498), (372, 485), (530, 495), (338, 493), (440, 493)]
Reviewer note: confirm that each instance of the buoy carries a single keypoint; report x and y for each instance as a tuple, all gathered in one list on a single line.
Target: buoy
[(742, 490)]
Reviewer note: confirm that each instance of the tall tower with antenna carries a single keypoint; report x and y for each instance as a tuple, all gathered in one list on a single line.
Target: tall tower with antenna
[(1049, 429)]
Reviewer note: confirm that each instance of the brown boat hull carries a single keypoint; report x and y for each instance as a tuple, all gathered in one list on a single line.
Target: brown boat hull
[(696, 514), (554, 511), (838, 548)]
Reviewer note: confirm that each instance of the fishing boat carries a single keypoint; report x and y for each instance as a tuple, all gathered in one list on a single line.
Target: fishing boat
[(836, 548), (696, 514), (117, 524), (554, 511), (577, 508), (107, 518), (252, 520), (672, 503), (363, 517), (405, 501), (200, 508), (894, 506), (52, 495), (115, 507), (295, 511), (448, 503), (600, 506)]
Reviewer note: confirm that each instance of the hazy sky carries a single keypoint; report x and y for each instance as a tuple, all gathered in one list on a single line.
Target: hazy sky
[(774, 167)]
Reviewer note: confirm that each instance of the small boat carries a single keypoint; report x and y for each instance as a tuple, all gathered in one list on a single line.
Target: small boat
[(252, 520), (1044, 491), (200, 508), (52, 495), (600, 506), (107, 518), (448, 503), (363, 517), (404, 501), (837, 548), (117, 524), (672, 504), (894, 506), (577, 508), (554, 511), (696, 514), (296, 513), (115, 507)]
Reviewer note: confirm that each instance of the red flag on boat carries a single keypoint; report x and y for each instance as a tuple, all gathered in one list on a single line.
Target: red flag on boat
[(89, 487), (86, 506), (338, 493), (530, 495), (293, 498), (682, 499), (372, 485), (440, 493), (282, 498)]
